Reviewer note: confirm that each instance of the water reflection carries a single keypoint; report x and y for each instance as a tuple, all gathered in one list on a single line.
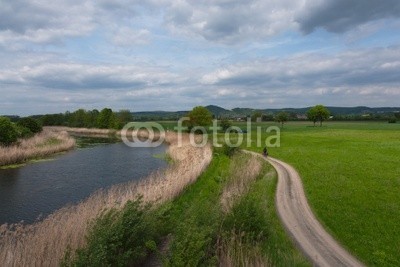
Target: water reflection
[(44, 187)]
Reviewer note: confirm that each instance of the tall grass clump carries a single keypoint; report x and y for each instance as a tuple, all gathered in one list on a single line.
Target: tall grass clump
[(41, 145), (45, 243)]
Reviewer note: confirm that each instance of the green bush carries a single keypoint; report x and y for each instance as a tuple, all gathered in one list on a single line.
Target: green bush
[(23, 132), (392, 120), (8, 132), (120, 238), (229, 150), (33, 125)]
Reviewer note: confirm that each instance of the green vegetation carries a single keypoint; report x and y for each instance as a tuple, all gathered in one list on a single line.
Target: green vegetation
[(81, 118), (195, 225), (318, 113), (282, 117), (121, 238), (199, 117), (8, 132), (225, 124), (31, 124), (351, 177)]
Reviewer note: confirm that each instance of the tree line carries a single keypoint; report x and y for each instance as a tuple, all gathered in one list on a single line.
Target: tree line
[(104, 119), (13, 129)]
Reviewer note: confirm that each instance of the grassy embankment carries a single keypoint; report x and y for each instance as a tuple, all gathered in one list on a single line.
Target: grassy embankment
[(41, 145), (46, 242), (351, 175), (226, 218)]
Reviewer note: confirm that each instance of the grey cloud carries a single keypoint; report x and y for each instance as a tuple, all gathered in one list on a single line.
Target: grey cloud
[(79, 76), (373, 67), (342, 15), (231, 22)]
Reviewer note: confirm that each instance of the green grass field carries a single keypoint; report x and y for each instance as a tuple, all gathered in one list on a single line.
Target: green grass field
[(351, 174)]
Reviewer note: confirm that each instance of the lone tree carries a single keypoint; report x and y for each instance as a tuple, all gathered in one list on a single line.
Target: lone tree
[(282, 117), (199, 116), (318, 113), (8, 132)]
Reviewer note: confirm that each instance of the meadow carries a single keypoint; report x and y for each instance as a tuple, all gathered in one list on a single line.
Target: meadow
[(351, 175)]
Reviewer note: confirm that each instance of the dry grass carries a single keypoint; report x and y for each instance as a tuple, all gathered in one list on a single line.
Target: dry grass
[(44, 243), (236, 251), (43, 144), (246, 169), (83, 131)]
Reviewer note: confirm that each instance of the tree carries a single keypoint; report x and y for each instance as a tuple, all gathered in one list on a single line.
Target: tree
[(199, 116), (256, 116), (124, 116), (107, 119), (33, 125), (318, 113), (8, 131), (282, 117), (225, 124), (311, 115), (77, 118)]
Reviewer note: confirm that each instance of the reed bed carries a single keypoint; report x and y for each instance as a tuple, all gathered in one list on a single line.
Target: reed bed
[(46, 143), (44, 243), (83, 131), (236, 250), (246, 169)]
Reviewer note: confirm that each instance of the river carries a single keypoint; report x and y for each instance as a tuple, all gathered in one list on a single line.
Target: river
[(40, 188)]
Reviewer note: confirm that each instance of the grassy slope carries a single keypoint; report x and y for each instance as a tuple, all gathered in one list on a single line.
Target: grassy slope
[(196, 218), (351, 177)]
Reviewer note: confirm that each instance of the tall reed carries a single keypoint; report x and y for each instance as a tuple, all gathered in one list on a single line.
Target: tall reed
[(82, 131), (245, 169), (44, 243), (43, 144)]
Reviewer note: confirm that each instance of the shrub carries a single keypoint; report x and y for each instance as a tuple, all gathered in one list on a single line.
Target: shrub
[(33, 125), (392, 120), (23, 132), (120, 238), (229, 150), (8, 131), (225, 124)]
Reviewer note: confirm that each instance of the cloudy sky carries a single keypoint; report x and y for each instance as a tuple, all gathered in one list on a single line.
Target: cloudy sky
[(172, 55)]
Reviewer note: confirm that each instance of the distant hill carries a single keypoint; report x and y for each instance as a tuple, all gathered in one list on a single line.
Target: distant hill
[(218, 111)]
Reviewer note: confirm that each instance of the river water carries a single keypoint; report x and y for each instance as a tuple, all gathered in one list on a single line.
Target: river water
[(40, 188)]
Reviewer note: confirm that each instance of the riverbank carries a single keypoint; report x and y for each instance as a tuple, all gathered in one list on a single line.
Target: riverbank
[(95, 132), (44, 144), (46, 242)]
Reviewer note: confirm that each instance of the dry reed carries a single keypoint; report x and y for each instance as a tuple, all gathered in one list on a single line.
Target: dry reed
[(83, 131), (237, 251), (41, 145), (246, 169), (44, 243)]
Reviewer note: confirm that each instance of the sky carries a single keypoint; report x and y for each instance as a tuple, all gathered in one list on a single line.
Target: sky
[(147, 55)]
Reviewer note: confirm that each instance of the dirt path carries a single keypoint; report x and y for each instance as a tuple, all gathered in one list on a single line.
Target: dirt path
[(301, 224)]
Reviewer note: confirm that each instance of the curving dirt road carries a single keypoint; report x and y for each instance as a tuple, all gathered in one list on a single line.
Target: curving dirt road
[(301, 224)]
